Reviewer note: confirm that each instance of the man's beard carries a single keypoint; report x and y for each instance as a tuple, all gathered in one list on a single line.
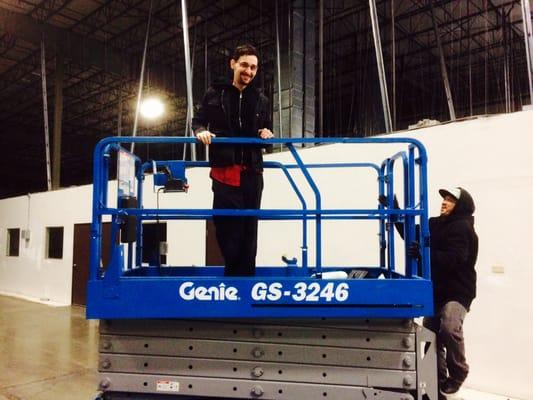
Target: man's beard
[(245, 79)]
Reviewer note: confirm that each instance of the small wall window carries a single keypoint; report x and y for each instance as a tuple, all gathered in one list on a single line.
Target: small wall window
[(54, 242), (13, 242)]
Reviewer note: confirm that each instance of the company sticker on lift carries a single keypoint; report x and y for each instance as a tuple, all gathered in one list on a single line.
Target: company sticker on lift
[(269, 292)]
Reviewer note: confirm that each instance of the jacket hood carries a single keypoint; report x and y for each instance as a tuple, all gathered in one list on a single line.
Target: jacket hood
[(223, 82), (465, 204)]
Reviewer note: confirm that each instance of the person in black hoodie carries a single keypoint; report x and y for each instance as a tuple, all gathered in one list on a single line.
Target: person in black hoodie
[(454, 248), (236, 109)]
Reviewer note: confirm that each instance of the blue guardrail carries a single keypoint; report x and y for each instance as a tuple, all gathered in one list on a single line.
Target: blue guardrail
[(127, 288)]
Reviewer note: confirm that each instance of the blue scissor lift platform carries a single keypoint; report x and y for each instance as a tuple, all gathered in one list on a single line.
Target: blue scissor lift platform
[(288, 332)]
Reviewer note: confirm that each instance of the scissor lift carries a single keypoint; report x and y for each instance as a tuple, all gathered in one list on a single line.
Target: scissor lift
[(286, 333)]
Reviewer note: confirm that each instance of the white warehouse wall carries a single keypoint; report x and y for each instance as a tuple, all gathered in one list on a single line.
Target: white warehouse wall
[(489, 156), (32, 275)]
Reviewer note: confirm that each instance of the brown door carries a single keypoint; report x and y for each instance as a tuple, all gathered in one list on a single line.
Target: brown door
[(80, 259)]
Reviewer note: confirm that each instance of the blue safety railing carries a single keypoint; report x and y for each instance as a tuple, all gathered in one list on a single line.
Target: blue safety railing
[(124, 288)]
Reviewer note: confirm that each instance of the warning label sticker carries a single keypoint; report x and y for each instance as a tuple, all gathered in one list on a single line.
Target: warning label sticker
[(167, 386)]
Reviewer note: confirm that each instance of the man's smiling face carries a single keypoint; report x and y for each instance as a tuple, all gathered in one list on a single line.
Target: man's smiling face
[(244, 70)]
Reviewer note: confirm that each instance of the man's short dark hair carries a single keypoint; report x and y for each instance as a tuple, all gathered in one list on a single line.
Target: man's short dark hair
[(244, 50)]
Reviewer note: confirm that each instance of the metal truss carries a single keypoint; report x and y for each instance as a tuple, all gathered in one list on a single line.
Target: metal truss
[(102, 40)]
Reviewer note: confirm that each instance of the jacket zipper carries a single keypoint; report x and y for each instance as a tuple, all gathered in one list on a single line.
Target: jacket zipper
[(240, 102), (240, 125)]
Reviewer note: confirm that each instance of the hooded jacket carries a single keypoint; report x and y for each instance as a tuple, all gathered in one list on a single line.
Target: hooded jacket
[(454, 249), (227, 112)]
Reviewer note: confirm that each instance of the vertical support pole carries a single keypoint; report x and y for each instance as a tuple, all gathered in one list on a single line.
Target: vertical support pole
[(140, 199), (96, 224), (58, 120), (423, 199), (410, 221), (528, 38), (380, 65), (321, 69), (389, 181), (486, 59), (506, 72), (206, 83), (141, 78), (393, 44), (444, 71), (119, 118), (278, 71), (206, 69), (188, 75), (382, 226), (309, 73), (470, 93), (45, 115)]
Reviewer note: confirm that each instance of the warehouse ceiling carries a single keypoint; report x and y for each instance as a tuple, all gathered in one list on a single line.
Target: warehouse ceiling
[(93, 54)]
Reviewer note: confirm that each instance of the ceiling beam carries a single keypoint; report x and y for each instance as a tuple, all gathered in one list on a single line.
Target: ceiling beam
[(79, 49)]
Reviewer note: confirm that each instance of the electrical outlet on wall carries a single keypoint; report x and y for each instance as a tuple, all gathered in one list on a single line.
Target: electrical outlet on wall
[(498, 269), (25, 234)]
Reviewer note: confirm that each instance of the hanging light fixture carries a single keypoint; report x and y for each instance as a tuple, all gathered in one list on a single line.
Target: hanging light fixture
[(152, 108)]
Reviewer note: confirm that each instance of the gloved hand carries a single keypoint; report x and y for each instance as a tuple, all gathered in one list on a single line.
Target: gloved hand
[(384, 201), (413, 250)]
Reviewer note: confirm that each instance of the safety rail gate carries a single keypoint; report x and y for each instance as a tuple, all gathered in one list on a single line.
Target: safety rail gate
[(287, 333), (126, 289)]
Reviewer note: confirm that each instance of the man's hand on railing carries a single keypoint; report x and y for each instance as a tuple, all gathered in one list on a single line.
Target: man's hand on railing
[(205, 137), (265, 133)]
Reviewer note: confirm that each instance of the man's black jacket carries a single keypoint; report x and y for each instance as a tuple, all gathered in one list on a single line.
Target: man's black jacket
[(454, 248), (227, 112)]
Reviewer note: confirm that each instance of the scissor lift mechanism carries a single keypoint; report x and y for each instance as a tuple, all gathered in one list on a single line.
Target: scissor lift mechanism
[(286, 333)]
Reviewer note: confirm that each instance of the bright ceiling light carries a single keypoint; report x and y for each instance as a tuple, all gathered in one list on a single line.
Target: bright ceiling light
[(152, 108)]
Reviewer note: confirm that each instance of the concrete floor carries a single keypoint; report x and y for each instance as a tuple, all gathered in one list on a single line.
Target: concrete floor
[(51, 353), (46, 352)]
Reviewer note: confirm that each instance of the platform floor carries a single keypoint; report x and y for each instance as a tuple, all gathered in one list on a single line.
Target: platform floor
[(51, 353)]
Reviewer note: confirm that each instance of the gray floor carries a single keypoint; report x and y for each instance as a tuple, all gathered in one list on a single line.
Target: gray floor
[(51, 353), (46, 352)]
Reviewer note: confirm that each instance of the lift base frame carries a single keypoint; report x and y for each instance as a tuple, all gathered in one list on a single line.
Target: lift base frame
[(267, 359)]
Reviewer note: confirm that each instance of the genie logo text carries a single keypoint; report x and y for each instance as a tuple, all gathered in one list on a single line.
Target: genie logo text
[(221, 292)]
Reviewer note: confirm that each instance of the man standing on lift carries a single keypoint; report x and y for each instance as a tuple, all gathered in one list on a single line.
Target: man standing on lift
[(236, 109)]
